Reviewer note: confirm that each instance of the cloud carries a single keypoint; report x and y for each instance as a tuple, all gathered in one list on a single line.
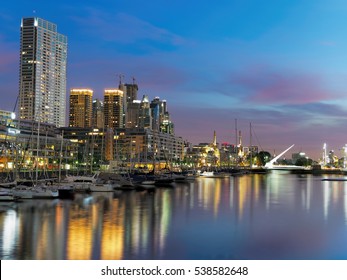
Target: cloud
[(318, 109), (327, 43), (7, 59), (262, 84), (5, 16), (125, 29), (9, 55), (307, 126), (9, 69)]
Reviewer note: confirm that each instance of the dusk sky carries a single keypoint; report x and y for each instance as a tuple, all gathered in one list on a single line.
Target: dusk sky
[(280, 65)]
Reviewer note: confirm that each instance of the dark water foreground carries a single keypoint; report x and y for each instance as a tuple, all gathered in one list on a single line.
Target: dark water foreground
[(271, 216)]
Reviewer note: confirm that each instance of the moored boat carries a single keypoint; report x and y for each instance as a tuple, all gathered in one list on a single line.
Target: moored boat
[(7, 196), (34, 192), (23, 192), (101, 187), (7, 184), (80, 178), (142, 179), (214, 174), (163, 180), (65, 191), (44, 192), (207, 174)]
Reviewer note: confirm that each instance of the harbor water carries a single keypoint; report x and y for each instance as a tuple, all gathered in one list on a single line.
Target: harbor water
[(274, 216)]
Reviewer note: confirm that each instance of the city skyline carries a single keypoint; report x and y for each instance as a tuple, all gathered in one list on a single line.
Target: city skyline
[(280, 66)]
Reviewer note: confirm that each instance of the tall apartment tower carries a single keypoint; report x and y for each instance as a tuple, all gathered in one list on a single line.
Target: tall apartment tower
[(161, 117), (113, 108), (80, 108), (129, 95), (133, 114), (98, 118), (132, 105), (42, 77), (145, 115), (132, 90)]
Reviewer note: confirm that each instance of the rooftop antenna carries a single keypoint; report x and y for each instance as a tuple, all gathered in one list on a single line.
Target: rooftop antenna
[(120, 78), (250, 145), (134, 80)]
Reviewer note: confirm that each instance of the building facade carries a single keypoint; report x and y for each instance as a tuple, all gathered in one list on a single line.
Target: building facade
[(145, 114), (160, 116), (29, 146), (42, 77), (80, 108), (143, 148), (98, 118), (132, 106), (113, 108), (131, 90), (133, 114)]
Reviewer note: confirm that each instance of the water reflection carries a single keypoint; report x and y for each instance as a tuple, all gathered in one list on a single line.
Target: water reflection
[(273, 216), (9, 238)]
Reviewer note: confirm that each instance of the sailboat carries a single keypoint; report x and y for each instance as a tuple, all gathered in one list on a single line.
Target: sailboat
[(35, 191), (34, 188), (7, 195), (102, 186)]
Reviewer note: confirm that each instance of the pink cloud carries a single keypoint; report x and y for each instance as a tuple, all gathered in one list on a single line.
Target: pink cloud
[(7, 60), (9, 56), (272, 130), (9, 65), (271, 86), (290, 90)]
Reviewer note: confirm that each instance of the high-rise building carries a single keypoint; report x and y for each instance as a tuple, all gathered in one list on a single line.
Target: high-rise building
[(161, 117), (42, 77), (133, 114), (145, 116), (131, 105), (113, 108), (98, 118), (132, 90), (80, 108)]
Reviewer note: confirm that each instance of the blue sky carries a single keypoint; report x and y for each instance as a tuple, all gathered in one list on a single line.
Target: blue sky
[(280, 65)]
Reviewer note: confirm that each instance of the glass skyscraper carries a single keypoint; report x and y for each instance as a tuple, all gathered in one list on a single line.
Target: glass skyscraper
[(42, 78)]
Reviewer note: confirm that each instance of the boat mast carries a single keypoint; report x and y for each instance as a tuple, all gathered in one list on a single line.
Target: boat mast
[(250, 145), (37, 150), (236, 144), (61, 154), (117, 152), (46, 156), (92, 153)]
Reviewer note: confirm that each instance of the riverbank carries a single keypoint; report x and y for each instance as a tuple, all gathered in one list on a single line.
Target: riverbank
[(233, 171)]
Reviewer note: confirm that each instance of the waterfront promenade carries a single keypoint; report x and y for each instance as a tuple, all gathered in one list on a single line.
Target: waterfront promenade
[(277, 215), (43, 174)]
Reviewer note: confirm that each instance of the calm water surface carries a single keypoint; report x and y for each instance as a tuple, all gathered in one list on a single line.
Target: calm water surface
[(273, 216)]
